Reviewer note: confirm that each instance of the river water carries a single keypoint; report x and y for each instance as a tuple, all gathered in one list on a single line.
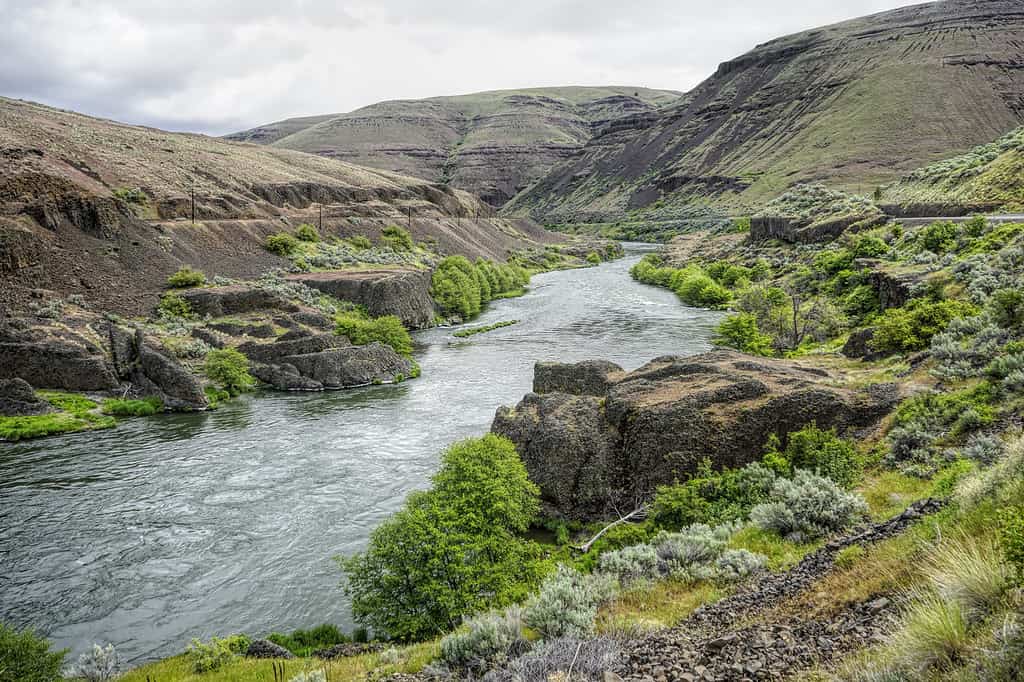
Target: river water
[(180, 526)]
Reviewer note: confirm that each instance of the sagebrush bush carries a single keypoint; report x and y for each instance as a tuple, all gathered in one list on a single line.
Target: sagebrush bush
[(567, 603), (808, 507), (186, 277), (213, 655), (26, 657), (310, 676), (632, 564), (987, 483), (100, 664), (737, 564), (486, 641), (173, 308), (588, 658)]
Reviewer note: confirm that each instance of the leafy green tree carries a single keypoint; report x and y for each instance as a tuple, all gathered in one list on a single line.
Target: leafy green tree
[(452, 551), (282, 243), (740, 331), (388, 330), (26, 657), (229, 369)]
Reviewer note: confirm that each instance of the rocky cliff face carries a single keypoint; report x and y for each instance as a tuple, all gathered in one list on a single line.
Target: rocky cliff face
[(595, 438), (492, 144), (104, 210), (404, 293), (853, 105)]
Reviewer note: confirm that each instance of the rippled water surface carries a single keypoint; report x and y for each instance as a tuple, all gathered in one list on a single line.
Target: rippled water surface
[(182, 526)]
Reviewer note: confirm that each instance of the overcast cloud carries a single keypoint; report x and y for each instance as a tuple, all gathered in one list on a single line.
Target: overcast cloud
[(217, 67)]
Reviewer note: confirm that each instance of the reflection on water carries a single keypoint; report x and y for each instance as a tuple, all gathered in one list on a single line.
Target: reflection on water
[(182, 526)]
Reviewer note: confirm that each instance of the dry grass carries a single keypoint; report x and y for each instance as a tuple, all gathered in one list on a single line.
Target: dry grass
[(659, 605)]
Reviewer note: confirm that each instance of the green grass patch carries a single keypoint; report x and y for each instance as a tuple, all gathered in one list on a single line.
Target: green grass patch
[(466, 333), (780, 554), (145, 407), (77, 414)]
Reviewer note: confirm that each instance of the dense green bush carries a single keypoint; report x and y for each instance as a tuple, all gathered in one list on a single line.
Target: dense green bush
[(462, 288), (452, 551), (911, 328), (1011, 539), (594, 258), (229, 369), (807, 507), (215, 654), (305, 642), (172, 306), (145, 407), (397, 238), (692, 284), (939, 237), (282, 243), (822, 452), (307, 233), (711, 497), (26, 657), (186, 277), (361, 330), (360, 241), (740, 331)]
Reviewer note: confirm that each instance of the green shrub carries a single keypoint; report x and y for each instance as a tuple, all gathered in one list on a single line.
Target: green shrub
[(939, 237), (970, 572), (741, 224), (711, 497), (26, 657), (1011, 539), (360, 241), (282, 243), (594, 258), (740, 331), (1006, 308), (131, 195), (452, 551), (213, 655), (307, 233), (396, 238), (229, 369), (911, 328), (361, 330), (824, 453), (807, 507), (935, 635), (304, 642), (867, 246), (119, 407), (173, 306), (186, 277)]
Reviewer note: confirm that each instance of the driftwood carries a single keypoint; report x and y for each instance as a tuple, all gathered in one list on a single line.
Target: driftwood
[(636, 514)]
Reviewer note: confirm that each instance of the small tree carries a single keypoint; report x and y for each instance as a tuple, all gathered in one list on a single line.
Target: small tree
[(740, 331), (26, 657), (229, 369), (397, 238)]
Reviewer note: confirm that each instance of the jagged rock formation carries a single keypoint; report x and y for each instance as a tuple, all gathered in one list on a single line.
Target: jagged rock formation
[(402, 292), (492, 144), (605, 437), (17, 399), (853, 105), (103, 210)]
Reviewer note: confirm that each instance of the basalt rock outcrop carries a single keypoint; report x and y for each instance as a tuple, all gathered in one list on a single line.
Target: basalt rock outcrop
[(404, 293), (17, 399), (603, 437)]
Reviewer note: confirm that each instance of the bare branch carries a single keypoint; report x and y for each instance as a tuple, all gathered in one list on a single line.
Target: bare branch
[(637, 514)]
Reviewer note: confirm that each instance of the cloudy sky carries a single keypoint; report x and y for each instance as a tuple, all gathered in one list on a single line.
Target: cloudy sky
[(217, 67)]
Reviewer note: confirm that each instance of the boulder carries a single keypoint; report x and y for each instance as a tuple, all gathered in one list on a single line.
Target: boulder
[(284, 377), (272, 353), (858, 345), (404, 293), (591, 454), (352, 366), (53, 363), (347, 649), (17, 399), (264, 648), (591, 377), (236, 299)]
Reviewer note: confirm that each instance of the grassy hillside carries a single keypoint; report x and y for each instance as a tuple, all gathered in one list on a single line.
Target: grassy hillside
[(853, 105), (104, 210), (988, 177), (491, 143)]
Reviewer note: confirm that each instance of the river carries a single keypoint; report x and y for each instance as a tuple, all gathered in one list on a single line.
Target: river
[(192, 525)]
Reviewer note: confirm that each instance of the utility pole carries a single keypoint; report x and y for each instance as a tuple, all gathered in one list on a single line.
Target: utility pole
[(193, 200), (321, 218), (409, 209)]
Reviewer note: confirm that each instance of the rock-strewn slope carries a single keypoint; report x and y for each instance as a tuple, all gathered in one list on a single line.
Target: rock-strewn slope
[(103, 210), (493, 144), (853, 105), (595, 437)]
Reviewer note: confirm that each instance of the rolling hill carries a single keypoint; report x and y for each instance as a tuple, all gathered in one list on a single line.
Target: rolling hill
[(853, 106), (492, 144), (104, 210)]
